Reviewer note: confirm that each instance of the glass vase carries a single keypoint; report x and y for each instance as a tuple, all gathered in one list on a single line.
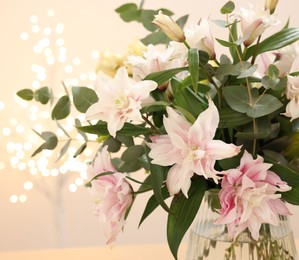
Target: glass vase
[(210, 241)]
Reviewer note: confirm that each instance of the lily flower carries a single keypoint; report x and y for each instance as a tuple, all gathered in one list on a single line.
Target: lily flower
[(190, 148), (249, 197), (113, 195), (169, 27), (120, 100)]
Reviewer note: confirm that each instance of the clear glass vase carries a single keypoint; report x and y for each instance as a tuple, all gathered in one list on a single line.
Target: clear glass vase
[(210, 241)]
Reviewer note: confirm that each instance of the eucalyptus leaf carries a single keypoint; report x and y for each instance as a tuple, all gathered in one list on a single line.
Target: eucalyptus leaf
[(80, 150), (42, 95), (62, 108), (228, 8), (132, 153), (83, 98), (63, 150), (113, 144), (26, 94)]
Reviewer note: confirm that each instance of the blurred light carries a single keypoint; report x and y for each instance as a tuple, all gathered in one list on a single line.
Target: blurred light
[(46, 173), (10, 146), (20, 154), (14, 198), (2, 105), (38, 128), (47, 31), (92, 76), (41, 76), (2, 166), (59, 28), (21, 166), (88, 152), (28, 185), (83, 175), (33, 117), (13, 121), (54, 172), (14, 160), (60, 42), (51, 12), (48, 52), (73, 187), (63, 169), (22, 198), (33, 19), (95, 54), (62, 50), (76, 61), (62, 58), (20, 129), (35, 84), (37, 49), (44, 114), (24, 36), (33, 171), (79, 182), (50, 60), (68, 69), (18, 146), (27, 146), (44, 42), (6, 131), (83, 76), (35, 28), (31, 163)]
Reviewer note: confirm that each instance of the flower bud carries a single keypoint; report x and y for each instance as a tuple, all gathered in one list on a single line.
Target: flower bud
[(271, 5), (169, 27)]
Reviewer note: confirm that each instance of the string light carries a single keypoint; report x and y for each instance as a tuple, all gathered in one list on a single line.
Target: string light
[(51, 48)]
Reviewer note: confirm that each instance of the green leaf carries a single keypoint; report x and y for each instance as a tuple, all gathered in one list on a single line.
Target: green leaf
[(132, 153), (129, 12), (231, 118), (193, 58), (163, 76), (229, 69), (155, 38), (50, 144), (63, 130), (114, 145), (152, 204), (126, 140), (238, 99), (234, 50), (248, 72), (228, 8), (80, 150), (187, 99), (42, 95), (26, 94), (274, 42), (127, 130), (147, 17), (129, 167), (182, 21), (155, 107), (62, 108), (184, 211), (292, 178), (126, 7), (273, 71), (63, 150), (78, 124), (83, 98)]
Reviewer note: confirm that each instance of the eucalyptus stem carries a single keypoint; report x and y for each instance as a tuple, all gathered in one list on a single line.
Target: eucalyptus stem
[(153, 127)]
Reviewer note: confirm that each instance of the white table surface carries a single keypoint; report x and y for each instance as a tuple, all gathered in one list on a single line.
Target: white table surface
[(127, 252)]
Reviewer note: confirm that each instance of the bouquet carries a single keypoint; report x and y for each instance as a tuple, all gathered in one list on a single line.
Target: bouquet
[(192, 119)]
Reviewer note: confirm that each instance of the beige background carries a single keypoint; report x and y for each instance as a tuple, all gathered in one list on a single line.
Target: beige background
[(89, 25)]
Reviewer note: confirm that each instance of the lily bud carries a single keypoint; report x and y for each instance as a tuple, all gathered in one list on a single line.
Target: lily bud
[(271, 5), (169, 27)]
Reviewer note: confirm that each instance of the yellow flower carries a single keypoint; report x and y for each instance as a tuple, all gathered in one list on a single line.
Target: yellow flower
[(169, 27), (109, 63), (136, 48), (271, 5)]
